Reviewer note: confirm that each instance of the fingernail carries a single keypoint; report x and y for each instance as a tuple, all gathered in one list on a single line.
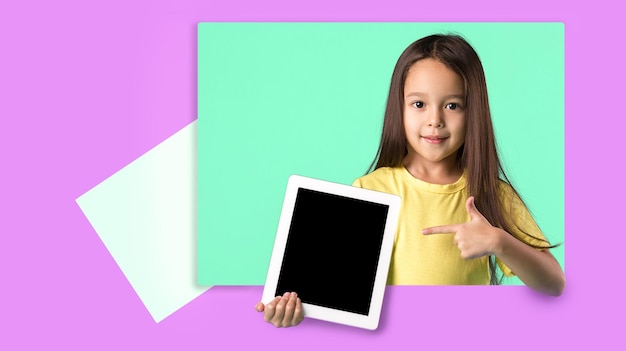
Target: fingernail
[(286, 294), (294, 294)]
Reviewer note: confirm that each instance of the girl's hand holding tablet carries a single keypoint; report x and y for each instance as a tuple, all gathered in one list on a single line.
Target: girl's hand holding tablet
[(284, 311)]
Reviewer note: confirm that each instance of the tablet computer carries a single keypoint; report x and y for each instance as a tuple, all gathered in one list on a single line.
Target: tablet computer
[(333, 247)]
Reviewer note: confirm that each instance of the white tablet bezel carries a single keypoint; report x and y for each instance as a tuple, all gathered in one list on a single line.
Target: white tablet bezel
[(295, 182)]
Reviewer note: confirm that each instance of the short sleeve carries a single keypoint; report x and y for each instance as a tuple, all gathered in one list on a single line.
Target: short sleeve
[(521, 222)]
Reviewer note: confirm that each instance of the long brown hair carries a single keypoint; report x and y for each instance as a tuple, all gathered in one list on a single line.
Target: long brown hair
[(478, 156)]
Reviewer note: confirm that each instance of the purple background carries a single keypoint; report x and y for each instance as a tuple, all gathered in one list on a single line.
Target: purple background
[(86, 88)]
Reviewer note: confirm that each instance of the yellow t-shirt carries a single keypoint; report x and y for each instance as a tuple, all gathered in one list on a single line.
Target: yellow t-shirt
[(419, 259)]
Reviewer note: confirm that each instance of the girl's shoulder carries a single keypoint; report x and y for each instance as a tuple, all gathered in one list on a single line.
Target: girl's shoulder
[(511, 202), (382, 174), (507, 192)]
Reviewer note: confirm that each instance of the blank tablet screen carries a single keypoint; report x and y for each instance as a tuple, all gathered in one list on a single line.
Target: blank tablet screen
[(332, 250)]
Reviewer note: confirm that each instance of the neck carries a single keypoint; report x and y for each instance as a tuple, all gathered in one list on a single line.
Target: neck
[(442, 172)]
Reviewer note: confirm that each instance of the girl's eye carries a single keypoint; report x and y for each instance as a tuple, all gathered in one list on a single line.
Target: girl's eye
[(452, 106), (418, 104)]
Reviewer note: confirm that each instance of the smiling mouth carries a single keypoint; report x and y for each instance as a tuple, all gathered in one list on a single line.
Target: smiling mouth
[(434, 139)]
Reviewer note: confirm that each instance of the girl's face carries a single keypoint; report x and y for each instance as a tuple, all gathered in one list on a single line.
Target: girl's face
[(434, 113)]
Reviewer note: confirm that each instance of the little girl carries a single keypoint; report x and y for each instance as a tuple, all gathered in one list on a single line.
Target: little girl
[(460, 217)]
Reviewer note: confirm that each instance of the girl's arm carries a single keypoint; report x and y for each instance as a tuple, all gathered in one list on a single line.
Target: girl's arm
[(538, 269)]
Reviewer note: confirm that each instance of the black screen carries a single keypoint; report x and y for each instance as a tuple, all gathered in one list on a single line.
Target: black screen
[(332, 251)]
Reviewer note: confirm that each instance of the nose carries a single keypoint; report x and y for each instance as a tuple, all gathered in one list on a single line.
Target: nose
[(435, 119)]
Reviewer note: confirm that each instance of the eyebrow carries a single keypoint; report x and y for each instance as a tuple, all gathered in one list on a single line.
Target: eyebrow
[(418, 94)]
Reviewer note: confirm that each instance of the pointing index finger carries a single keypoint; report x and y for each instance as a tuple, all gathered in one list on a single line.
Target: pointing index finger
[(441, 229)]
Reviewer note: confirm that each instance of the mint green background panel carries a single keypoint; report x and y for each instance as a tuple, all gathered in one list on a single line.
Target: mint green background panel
[(276, 99)]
